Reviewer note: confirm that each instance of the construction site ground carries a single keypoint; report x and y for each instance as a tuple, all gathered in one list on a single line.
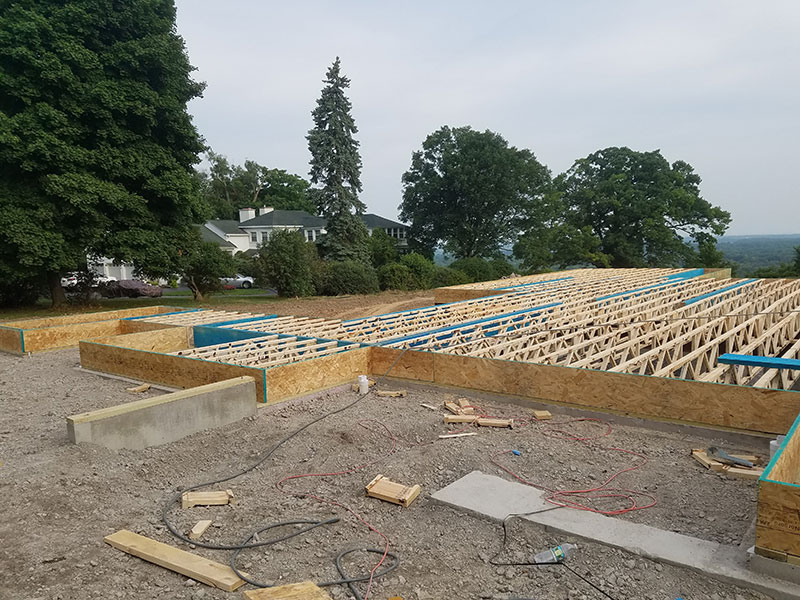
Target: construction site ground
[(60, 500)]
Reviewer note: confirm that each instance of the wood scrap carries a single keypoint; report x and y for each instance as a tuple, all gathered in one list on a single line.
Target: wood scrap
[(459, 418), (466, 407), (384, 489), (305, 590), (428, 406), (391, 394), (217, 498), (199, 529), (542, 415), (448, 436), (453, 407), (489, 422), (191, 565), (741, 472), (139, 388)]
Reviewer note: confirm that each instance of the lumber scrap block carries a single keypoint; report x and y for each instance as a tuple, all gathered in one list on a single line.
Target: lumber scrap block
[(466, 408), (385, 489), (199, 529), (219, 498), (139, 388), (487, 422), (391, 394), (542, 415), (459, 418), (191, 565), (734, 471), (453, 407), (305, 590)]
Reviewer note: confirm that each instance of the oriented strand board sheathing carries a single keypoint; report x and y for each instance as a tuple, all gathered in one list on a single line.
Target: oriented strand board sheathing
[(167, 339), (105, 315), (738, 407), (299, 378), (64, 336), (10, 340), (417, 366)]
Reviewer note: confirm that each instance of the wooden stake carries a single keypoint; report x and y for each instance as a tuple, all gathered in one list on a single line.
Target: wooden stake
[(485, 422), (459, 419)]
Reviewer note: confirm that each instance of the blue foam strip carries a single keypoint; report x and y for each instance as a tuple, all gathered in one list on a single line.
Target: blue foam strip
[(637, 290), (718, 292), (205, 335), (687, 274), (436, 332), (751, 360), (512, 287)]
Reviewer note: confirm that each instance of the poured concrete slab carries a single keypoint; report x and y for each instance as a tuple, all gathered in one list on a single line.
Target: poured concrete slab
[(498, 498)]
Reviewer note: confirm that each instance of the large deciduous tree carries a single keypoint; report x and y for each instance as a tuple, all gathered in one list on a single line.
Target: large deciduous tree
[(470, 191), (623, 208), (336, 171), (96, 145)]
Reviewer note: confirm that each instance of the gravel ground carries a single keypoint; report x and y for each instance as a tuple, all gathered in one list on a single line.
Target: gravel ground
[(60, 499)]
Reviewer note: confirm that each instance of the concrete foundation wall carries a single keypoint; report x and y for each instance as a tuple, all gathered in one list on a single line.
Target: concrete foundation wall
[(166, 418)]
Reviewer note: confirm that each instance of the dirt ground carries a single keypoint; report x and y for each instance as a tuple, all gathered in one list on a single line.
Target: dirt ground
[(59, 500)]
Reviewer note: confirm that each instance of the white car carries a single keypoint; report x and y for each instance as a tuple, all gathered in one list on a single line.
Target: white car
[(240, 281)]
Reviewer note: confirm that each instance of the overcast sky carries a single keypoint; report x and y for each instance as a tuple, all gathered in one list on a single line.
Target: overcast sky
[(714, 83)]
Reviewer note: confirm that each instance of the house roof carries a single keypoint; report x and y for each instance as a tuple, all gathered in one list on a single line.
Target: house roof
[(209, 236), (228, 226), (373, 221), (285, 217)]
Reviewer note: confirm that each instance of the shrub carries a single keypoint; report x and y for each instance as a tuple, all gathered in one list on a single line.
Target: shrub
[(16, 291), (445, 276), (202, 264), (382, 248), (349, 277), (477, 269), (396, 276), (422, 268), (285, 262), (501, 268)]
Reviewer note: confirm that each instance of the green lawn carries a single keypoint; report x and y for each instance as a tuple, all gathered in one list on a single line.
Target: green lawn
[(179, 300)]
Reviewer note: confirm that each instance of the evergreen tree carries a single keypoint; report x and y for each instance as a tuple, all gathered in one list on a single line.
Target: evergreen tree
[(336, 170), (96, 145)]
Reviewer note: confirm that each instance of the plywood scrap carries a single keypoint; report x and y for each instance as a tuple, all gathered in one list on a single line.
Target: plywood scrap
[(217, 498), (448, 436), (388, 490), (191, 565), (488, 422), (391, 394), (459, 418), (305, 590), (742, 472), (139, 388), (542, 415), (199, 529)]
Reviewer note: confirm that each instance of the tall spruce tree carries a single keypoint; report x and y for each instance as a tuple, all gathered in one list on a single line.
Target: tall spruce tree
[(336, 170), (96, 144)]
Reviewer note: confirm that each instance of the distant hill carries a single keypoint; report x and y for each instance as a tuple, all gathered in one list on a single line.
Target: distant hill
[(757, 251)]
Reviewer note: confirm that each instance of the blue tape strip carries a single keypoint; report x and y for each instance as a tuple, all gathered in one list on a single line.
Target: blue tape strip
[(718, 292), (751, 360)]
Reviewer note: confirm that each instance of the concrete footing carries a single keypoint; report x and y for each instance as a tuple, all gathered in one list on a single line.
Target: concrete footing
[(166, 418), (497, 498)]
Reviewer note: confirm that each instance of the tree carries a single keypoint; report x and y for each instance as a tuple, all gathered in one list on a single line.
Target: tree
[(228, 187), (96, 145), (201, 265), (470, 190), (286, 263), (623, 208), (336, 170), (382, 248)]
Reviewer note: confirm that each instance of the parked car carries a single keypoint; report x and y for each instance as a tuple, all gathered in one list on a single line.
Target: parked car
[(239, 281), (69, 280), (104, 279)]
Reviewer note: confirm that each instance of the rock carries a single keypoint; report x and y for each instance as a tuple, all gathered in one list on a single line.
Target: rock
[(630, 564), (190, 583)]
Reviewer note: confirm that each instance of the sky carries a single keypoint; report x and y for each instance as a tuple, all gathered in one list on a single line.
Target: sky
[(715, 83)]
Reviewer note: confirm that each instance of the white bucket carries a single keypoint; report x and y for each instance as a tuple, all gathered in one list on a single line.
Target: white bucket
[(363, 384)]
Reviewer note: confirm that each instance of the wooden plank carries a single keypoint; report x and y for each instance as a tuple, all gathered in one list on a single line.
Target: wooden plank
[(453, 407), (459, 418), (542, 415), (385, 489), (139, 388), (305, 590), (487, 422), (700, 456), (391, 393), (214, 498), (199, 529), (779, 556), (191, 565), (465, 406)]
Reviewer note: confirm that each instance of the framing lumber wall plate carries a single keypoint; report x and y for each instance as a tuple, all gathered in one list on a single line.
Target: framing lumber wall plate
[(397, 493), (305, 590)]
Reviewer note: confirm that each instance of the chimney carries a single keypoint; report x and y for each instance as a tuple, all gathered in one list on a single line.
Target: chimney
[(245, 214), (264, 210)]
